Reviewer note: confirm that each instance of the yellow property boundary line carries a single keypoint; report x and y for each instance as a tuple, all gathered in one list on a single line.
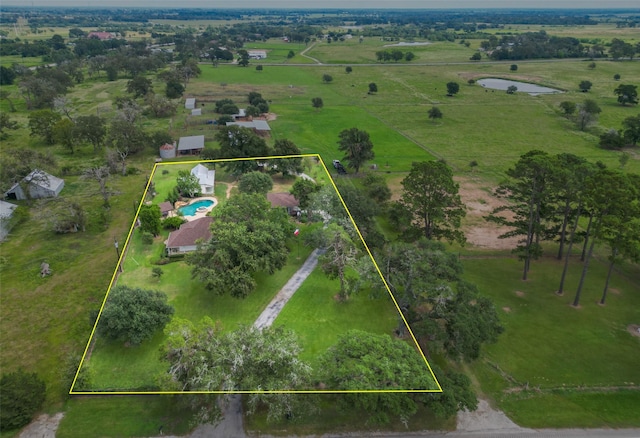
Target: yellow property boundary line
[(124, 250)]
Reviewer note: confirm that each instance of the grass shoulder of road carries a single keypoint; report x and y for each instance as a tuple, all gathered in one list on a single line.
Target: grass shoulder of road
[(123, 416), (553, 354), (332, 418)]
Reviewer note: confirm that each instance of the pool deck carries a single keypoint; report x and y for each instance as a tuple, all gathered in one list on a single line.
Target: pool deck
[(198, 215)]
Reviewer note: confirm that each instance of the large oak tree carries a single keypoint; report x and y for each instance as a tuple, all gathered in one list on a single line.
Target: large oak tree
[(431, 196)]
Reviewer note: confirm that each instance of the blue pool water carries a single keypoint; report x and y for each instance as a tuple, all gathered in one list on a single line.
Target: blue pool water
[(190, 210)]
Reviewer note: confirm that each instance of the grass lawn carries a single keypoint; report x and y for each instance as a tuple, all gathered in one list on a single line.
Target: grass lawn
[(319, 318), (45, 321), (122, 416), (566, 357), (332, 419), (116, 366)]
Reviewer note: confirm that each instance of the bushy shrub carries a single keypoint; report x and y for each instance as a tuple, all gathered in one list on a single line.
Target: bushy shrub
[(21, 395)]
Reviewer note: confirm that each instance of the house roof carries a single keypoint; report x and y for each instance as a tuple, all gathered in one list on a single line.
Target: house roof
[(189, 232), (6, 209), (192, 142), (283, 199), (165, 207), (42, 179), (190, 103), (205, 176), (101, 35), (258, 125)]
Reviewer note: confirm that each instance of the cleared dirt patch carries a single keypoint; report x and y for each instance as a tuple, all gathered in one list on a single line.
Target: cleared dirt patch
[(480, 202), (520, 293)]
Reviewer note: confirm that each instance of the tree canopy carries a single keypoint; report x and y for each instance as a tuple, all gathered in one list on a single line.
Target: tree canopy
[(22, 395), (437, 302), (187, 184), (240, 142), (286, 166), (255, 182), (133, 314), (247, 236), (202, 358), (431, 197), (362, 360), (357, 147), (627, 93)]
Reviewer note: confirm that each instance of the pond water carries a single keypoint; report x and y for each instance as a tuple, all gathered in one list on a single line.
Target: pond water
[(191, 209), (503, 84), (405, 43)]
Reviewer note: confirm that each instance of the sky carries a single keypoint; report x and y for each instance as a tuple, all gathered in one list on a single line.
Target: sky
[(335, 4)]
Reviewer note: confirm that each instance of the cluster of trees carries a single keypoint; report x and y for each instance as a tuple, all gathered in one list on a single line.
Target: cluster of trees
[(629, 135), (552, 196), (394, 55), (536, 45), (248, 236), (240, 142)]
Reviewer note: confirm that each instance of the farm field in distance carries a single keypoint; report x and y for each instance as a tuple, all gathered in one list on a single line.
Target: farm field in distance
[(554, 366)]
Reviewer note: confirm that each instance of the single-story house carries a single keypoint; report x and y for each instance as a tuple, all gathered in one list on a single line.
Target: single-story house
[(165, 208), (190, 103), (260, 127), (40, 184), (186, 238), (206, 177), (285, 200), (6, 211), (191, 145), (257, 54), (101, 35)]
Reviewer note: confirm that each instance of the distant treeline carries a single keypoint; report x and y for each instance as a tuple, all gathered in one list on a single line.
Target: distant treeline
[(83, 17)]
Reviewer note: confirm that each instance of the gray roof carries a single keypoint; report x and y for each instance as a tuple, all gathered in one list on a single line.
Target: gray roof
[(6, 209), (190, 103), (258, 125), (42, 179), (192, 142)]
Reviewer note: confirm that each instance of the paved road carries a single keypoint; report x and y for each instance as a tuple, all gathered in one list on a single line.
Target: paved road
[(272, 311)]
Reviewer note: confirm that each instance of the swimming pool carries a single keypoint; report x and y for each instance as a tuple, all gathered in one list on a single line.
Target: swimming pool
[(192, 209)]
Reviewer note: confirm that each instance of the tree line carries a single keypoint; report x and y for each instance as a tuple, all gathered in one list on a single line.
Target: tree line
[(565, 199)]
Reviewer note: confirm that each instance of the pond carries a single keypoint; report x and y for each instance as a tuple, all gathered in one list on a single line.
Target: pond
[(503, 84), (405, 44)]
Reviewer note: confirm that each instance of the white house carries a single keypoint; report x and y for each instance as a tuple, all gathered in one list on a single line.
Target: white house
[(40, 185), (257, 54), (186, 238), (206, 177), (190, 103), (6, 211)]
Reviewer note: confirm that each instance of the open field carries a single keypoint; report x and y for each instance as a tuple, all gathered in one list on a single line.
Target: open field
[(554, 356)]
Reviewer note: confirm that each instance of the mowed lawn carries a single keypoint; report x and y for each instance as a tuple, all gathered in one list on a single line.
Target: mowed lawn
[(555, 356), (119, 367)]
